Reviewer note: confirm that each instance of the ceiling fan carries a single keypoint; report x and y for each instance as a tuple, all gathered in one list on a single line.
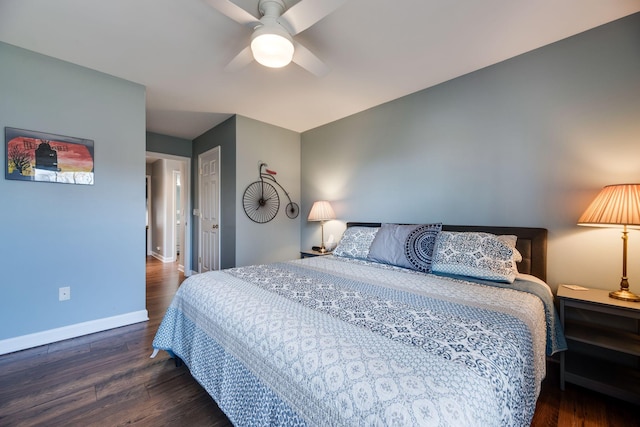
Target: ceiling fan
[(272, 43)]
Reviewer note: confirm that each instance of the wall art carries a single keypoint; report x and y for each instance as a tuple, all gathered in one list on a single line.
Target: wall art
[(39, 156)]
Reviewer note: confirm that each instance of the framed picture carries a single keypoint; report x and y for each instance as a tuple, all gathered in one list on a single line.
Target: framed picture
[(38, 156)]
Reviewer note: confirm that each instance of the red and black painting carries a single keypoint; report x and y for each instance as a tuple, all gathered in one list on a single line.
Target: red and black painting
[(38, 156)]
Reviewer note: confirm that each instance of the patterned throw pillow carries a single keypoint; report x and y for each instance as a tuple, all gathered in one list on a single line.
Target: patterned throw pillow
[(409, 246), (474, 254), (355, 242)]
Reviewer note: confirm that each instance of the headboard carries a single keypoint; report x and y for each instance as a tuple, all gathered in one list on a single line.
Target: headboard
[(532, 243)]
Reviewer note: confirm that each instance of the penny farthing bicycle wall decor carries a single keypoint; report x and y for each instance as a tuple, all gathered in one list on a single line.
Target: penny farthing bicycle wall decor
[(261, 201)]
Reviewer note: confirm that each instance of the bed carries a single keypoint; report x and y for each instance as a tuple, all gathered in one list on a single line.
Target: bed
[(367, 337)]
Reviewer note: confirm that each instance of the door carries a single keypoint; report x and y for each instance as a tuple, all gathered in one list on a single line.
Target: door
[(209, 203)]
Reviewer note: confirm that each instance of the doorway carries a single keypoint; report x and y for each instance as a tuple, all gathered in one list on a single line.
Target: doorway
[(168, 208)]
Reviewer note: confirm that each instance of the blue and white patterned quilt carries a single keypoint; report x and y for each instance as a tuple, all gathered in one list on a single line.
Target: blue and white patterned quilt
[(328, 341)]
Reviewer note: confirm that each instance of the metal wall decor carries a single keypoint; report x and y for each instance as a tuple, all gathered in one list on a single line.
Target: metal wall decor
[(261, 201)]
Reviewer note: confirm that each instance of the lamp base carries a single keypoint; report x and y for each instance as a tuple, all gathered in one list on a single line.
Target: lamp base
[(624, 295)]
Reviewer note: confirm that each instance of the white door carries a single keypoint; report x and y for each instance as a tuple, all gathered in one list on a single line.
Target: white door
[(209, 197)]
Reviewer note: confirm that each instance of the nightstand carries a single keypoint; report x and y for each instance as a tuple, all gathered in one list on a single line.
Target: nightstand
[(309, 254), (603, 336)]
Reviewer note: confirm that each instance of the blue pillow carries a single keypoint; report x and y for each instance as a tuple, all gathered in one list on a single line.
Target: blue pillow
[(408, 246)]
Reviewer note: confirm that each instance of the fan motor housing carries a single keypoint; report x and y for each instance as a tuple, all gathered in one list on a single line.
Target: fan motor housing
[(271, 7)]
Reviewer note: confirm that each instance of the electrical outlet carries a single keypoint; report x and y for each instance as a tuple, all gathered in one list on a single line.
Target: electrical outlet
[(64, 293), (158, 248)]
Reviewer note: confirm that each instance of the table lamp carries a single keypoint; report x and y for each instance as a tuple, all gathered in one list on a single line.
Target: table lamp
[(321, 211), (615, 206)]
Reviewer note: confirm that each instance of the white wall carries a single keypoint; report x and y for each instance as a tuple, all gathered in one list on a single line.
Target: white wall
[(279, 239), (90, 238), (527, 142)]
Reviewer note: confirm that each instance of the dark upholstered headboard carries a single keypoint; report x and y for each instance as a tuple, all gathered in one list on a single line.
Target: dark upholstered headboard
[(532, 244)]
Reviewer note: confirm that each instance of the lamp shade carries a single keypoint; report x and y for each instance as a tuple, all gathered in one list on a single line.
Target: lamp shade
[(321, 211), (272, 46), (614, 205)]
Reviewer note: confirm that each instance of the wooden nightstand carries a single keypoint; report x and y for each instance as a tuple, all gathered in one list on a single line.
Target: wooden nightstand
[(309, 254), (603, 336)]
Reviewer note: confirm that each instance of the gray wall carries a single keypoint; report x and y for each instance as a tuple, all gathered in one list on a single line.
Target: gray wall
[(279, 239), (243, 143), (223, 135), (90, 238), (158, 143), (527, 142)]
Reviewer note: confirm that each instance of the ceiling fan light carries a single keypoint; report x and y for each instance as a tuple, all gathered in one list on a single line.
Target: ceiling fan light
[(272, 50)]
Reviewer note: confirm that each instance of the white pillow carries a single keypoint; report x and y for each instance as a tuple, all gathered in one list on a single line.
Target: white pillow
[(355, 242), (475, 254)]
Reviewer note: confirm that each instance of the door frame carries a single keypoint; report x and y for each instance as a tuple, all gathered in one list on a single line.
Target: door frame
[(186, 189), (218, 149)]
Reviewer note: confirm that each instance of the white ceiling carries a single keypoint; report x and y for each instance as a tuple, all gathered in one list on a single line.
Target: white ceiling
[(377, 51)]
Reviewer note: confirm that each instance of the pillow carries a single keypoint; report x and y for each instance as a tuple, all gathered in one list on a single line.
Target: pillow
[(511, 240), (355, 242), (409, 246), (475, 254)]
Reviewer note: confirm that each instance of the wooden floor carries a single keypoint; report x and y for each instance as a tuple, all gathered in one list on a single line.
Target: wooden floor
[(108, 379)]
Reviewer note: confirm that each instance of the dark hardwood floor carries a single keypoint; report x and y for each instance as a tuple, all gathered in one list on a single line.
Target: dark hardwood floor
[(108, 379)]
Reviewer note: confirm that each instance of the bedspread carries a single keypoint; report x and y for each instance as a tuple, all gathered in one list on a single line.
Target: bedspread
[(327, 341)]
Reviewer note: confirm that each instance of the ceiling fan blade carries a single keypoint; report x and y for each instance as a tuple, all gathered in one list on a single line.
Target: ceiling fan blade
[(304, 14), (307, 60), (244, 58), (233, 11)]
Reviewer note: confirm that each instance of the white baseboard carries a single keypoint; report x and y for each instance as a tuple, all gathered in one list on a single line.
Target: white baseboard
[(163, 258), (72, 331)]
